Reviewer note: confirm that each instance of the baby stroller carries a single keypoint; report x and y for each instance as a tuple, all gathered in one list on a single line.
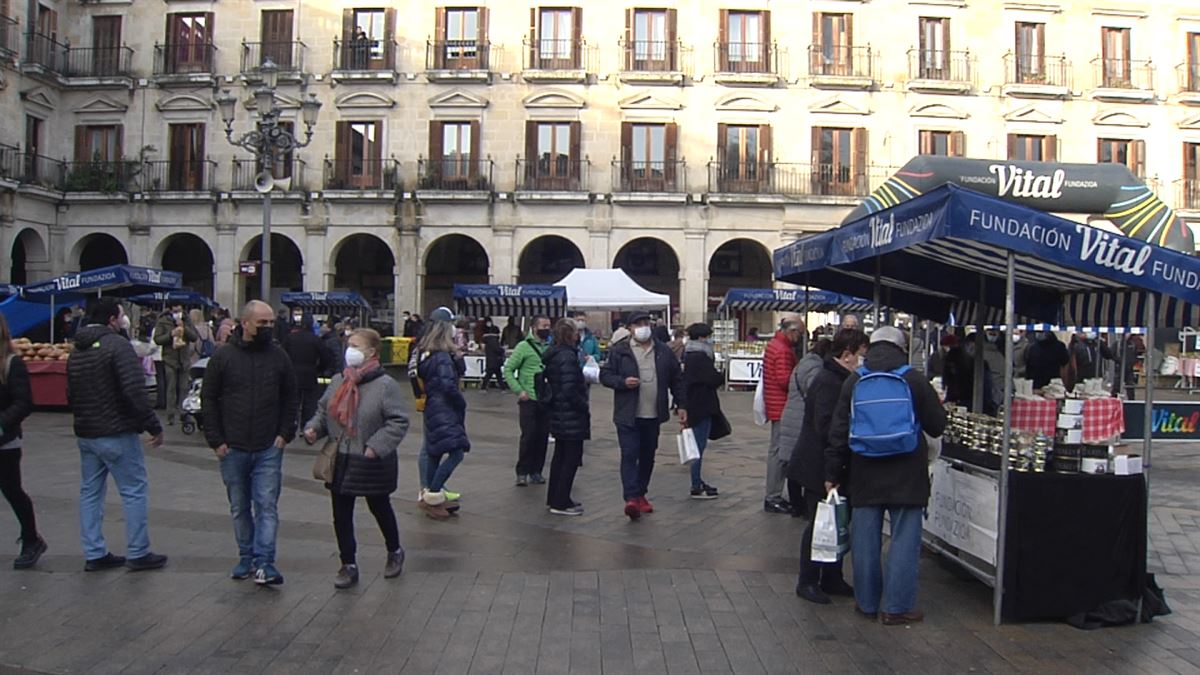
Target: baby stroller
[(193, 411)]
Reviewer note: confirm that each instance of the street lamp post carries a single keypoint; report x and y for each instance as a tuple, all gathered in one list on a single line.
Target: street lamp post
[(268, 143)]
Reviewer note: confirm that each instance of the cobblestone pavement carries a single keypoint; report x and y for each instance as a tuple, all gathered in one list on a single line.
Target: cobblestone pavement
[(696, 587)]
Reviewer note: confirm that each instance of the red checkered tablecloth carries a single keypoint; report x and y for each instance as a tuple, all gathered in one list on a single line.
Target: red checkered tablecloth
[(1036, 417), (1103, 418)]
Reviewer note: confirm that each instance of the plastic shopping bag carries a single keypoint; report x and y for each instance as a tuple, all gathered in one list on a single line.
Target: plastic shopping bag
[(688, 450), (760, 405), (591, 371), (831, 529)]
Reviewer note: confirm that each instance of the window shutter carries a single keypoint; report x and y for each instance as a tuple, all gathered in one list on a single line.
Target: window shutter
[(672, 32), (531, 142), (1012, 146), (170, 32), (946, 40), (671, 152), (436, 151), (389, 38), (577, 37), (1137, 157), (576, 158), (210, 36), (630, 36), (626, 145), (1050, 149), (723, 41), (476, 143), (814, 51), (764, 144), (816, 149), (722, 141), (858, 141), (766, 50), (848, 26), (81, 147), (440, 38), (484, 50), (958, 144), (341, 153), (533, 37), (347, 25)]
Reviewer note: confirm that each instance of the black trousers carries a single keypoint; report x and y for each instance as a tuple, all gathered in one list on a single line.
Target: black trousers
[(493, 369), (10, 486), (160, 385), (309, 396), (535, 438), (815, 573), (568, 457), (343, 523)]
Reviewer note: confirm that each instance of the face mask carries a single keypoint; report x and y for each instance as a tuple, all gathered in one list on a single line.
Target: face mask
[(178, 316), (347, 333), (641, 333), (263, 337), (581, 325), (860, 360), (297, 318), (1089, 337), (355, 357), (1016, 339), (543, 334), (123, 323), (991, 337)]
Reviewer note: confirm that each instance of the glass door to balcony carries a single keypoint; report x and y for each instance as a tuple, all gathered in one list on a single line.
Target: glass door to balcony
[(834, 38), (648, 155), (744, 44), (1031, 52), (651, 49), (186, 166), (553, 168), (1193, 62), (741, 166), (556, 40), (106, 45), (934, 48), (359, 152), (1114, 58), (462, 39), (368, 47), (276, 36), (457, 160), (835, 172)]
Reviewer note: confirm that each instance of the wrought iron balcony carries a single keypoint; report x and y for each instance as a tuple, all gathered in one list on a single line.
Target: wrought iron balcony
[(99, 62), (9, 161), (184, 59), (747, 57), (840, 61), (288, 56), (1123, 74), (364, 55), (289, 174), (10, 36), (1187, 192), (101, 176), (652, 56), (559, 174), (361, 174), (649, 176), (940, 65), (1032, 69), (168, 175), (794, 180), (457, 55), (548, 54), (1189, 76), (45, 51), (454, 174), (38, 170)]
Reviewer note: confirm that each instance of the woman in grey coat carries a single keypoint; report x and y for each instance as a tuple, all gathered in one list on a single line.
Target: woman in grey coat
[(361, 409), (792, 420)]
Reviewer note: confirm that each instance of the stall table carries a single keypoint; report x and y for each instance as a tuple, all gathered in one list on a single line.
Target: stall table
[(48, 381)]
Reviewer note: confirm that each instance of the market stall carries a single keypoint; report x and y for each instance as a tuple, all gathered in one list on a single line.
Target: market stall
[(956, 252), (610, 290), (743, 360), (183, 296), (522, 300), (330, 303)]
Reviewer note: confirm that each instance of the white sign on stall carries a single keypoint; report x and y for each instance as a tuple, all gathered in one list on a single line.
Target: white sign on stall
[(745, 370), (963, 511), (475, 367)]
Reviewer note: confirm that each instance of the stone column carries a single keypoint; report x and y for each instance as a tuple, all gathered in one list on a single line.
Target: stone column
[(502, 267), (693, 277), (227, 290)]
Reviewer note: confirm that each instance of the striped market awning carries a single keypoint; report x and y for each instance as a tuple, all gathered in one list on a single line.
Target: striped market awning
[(330, 302), (510, 300), (791, 300)]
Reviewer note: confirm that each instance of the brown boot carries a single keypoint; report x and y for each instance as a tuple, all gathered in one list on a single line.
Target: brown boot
[(438, 512)]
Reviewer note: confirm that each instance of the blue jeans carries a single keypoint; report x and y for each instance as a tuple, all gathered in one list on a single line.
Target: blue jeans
[(639, 443), (252, 479), (701, 431), (898, 590), (122, 457), (438, 469)]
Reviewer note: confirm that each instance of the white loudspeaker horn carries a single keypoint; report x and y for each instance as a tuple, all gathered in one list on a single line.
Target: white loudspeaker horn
[(263, 182)]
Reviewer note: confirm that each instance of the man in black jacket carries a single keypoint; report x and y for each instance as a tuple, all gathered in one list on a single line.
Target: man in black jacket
[(897, 483), (641, 371), (106, 389), (310, 358), (250, 403)]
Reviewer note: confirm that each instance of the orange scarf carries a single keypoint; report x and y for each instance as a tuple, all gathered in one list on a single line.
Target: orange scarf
[(344, 404)]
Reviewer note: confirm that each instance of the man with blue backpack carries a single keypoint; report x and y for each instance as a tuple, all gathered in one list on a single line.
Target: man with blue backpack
[(877, 450)]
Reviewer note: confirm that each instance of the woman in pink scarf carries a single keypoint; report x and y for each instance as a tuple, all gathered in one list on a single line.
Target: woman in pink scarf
[(362, 412)]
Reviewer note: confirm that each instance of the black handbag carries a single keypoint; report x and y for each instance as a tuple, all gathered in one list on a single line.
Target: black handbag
[(720, 427)]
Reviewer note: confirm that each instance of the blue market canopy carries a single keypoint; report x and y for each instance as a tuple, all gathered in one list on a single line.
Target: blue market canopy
[(326, 303), (791, 300), (182, 297), (510, 300), (944, 252), (122, 280), (8, 290)]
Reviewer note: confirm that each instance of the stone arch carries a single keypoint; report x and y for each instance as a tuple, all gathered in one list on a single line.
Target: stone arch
[(451, 259), (547, 258), (740, 262), (653, 263), (99, 250), (192, 257), (287, 265), (366, 264), (27, 247)]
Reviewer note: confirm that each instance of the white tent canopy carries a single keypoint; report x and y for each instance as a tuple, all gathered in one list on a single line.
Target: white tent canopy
[(610, 289)]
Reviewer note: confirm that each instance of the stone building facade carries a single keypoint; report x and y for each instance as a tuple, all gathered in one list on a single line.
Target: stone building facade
[(509, 142)]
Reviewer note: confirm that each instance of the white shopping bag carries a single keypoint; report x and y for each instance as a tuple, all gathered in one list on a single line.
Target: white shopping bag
[(760, 405), (688, 450), (591, 371), (828, 543)]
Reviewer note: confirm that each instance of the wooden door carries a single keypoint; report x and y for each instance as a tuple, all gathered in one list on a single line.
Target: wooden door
[(186, 166), (1114, 57), (277, 38), (357, 161), (106, 45), (934, 53)]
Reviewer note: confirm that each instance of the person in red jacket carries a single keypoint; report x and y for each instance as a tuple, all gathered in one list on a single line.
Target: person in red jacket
[(778, 362)]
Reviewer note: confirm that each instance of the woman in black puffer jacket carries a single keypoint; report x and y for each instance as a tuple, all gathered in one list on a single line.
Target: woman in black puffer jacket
[(570, 417), (445, 416), (16, 402)]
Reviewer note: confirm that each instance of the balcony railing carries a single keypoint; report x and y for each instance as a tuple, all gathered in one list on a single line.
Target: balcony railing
[(46, 52), (184, 59), (1054, 71), (364, 55), (361, 174), (650, 176), (10, 36), (547, 54), (99, 62), (1123, 74), (9, 161), (289, 56), (840, 61), (100, 176), (746, 57), (245, 171), (939, 65), (651, 56), (1187, 192), (456, 174), (560, 174), (166, 175), (787, 179), (39, 170), (1189, 76), (457, 55)]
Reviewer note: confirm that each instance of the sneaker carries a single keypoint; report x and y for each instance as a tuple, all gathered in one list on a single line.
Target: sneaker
[(451, 496), (267, 575), (107, 562), (346, 577), (243, 570), (633, 509), (645, 505), (569, 511), (522, 480), (705, 491), (150, 561), (537, 479), (30, 552), (776, 506), (912, 616), (813, 593), (395, 565)]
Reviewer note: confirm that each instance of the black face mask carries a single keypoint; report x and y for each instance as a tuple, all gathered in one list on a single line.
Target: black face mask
[(543, 334), (262, 338)]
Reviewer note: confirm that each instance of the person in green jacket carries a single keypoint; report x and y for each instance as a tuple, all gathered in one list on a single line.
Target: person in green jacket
[(519, 371)]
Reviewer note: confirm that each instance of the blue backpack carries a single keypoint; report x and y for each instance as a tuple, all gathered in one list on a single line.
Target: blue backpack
[(882, 419)]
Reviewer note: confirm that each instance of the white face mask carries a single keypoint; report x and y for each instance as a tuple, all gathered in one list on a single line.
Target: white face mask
[(641, 333), (348, 333), (581, 325), (178, 316), (123, 322), (355, 357)]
